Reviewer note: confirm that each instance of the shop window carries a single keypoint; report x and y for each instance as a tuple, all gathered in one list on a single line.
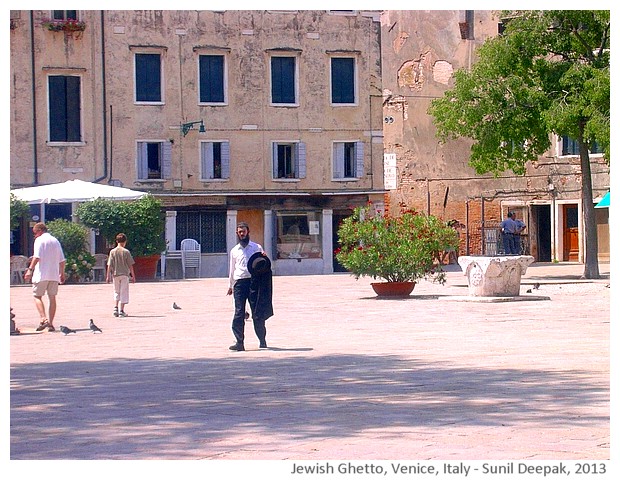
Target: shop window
[(299, 235)]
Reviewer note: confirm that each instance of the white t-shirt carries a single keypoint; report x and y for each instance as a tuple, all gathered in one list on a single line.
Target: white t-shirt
[(49, 252)]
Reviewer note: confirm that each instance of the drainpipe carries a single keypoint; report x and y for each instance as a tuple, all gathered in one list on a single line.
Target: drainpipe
[(104, 101), (35, 163)]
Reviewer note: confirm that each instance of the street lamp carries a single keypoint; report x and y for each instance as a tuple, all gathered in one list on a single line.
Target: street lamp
[(186, 127)]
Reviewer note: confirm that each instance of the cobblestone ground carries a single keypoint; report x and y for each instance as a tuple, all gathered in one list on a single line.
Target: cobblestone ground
[(347, 375)]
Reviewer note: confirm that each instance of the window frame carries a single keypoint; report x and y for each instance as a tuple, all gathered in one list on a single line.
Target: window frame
[(161, 100), (165, 160), (295, 58), (339, 167), (561, 141), (52, 119), (224, 79), (65, 15), (355, 102), (298, 159), (205, 169), (303, 243)]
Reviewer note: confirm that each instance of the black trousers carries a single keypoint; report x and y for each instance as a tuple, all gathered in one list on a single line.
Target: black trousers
[(241, 295)]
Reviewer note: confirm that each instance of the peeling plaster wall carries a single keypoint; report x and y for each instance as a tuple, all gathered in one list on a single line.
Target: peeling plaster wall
[(421, 51)]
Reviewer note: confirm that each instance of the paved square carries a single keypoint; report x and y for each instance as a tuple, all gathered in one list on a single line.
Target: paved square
[(347, 375)]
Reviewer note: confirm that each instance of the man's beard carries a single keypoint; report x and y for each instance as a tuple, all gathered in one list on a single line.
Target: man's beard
[(245, 240)]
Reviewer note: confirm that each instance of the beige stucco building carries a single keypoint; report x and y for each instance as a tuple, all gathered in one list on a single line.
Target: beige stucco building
[(420, 52), (270, 117), (286, 120)]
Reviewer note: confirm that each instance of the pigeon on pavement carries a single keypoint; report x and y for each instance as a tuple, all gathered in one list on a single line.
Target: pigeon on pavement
[(175, 306), (94, 327), (66, 330)]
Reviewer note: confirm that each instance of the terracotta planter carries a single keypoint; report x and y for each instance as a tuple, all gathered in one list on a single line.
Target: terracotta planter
[(393, 289), (146, 267)]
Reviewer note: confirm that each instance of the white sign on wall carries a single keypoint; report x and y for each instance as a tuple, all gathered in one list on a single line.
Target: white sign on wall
[(389, 171)]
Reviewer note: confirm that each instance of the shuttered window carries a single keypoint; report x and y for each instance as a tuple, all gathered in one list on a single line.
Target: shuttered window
[(148, 77), (211, 78), (289, 160), (215, 160), (154, 160), (343, 80), (64, 108), (283, 80), (348, 159)]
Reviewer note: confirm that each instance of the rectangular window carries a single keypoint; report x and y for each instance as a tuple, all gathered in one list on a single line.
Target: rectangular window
[(154, 160), (148, 77), (298, 235), (207, 228), (215, 160), (348, 159), (212, 85), (283, 80), (343, 80), (64, 15), (64, 108), (571, 147), (289, 160)]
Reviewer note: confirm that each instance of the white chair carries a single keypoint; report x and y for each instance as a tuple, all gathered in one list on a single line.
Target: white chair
[(99, 269), (19, 263), (190, 255)]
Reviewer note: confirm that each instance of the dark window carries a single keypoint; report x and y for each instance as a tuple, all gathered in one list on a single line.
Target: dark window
[(64, 15), (207, 228), (154, 160), (286, 163), (211, 78), (215, 158), (148, 77), (348, 159), (283, 80), (64, 108), (571, 147), (343, 80)]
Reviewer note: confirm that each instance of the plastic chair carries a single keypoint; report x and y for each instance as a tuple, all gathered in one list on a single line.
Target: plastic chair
[(101, 262), (19, 263), (190, 255)]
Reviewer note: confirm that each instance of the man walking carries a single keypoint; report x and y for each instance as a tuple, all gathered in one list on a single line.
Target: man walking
[(243, 290), (47, 270)]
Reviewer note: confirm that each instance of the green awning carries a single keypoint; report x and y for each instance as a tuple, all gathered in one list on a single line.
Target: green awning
[(604, 203)]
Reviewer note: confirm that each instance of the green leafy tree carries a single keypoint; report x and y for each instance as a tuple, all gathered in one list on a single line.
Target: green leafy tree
[(74, 240), (19, 208), (548, 73)]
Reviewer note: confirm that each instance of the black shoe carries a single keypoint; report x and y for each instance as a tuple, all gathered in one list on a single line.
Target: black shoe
[(237, 347), (263, 345)]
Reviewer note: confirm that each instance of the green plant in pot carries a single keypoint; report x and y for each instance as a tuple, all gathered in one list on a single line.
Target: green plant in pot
[(397, 249), (74, 240), (141, 220)]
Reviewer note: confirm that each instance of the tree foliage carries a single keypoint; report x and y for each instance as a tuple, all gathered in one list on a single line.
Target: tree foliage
[(19, 208), (547, 73)]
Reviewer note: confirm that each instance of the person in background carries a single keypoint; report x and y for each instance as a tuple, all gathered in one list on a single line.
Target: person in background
[(120, 271), (46, 270)]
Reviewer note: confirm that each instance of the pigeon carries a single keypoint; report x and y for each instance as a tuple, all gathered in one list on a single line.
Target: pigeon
[(66, 330), (529, 290), (536, 286), (175, 306), (94, 327)]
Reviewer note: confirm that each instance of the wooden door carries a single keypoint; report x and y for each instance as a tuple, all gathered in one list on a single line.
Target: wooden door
[(571, 233)]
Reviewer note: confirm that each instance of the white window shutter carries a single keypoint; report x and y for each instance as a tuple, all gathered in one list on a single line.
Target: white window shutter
[(301, 160), (274, 159), (207, 160), (225, 159), (359, 159), (338, 160), (142, 161), (204, 162), (166, 164)]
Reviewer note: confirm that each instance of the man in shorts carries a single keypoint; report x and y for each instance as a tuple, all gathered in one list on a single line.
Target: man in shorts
[(47, 270)]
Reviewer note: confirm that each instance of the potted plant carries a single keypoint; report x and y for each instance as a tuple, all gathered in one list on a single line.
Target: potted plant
[(397, 249), (141, 220), (69, 26), (74, 240)]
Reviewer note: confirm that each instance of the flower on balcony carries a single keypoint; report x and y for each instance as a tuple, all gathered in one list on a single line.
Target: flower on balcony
[(70, 25)]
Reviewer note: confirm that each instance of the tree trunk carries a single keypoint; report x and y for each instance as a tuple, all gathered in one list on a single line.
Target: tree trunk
[(589, 221)]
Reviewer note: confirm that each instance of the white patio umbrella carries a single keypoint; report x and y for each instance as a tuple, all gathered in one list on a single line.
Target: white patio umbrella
[(73, 191)]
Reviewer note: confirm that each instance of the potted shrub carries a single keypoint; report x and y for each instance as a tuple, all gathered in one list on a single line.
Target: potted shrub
[(74, 240), (141, 220), (399, 250)]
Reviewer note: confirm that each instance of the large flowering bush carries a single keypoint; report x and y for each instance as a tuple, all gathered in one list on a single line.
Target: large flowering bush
[(74, 240), (397, 249)]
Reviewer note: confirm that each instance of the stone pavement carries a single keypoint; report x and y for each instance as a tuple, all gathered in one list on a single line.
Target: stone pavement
[(347, 375)]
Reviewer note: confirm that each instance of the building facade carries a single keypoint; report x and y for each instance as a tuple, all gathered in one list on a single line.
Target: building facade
[(269, 117), (420, 52)]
